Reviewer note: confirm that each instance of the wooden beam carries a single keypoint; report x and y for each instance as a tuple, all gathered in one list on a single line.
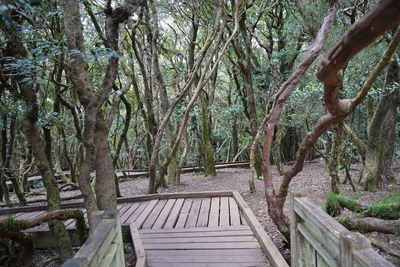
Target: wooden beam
[(274, 256), (139, 251)]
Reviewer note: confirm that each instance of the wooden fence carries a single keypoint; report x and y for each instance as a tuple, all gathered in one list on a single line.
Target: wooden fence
[(104, 247), (319, 240)]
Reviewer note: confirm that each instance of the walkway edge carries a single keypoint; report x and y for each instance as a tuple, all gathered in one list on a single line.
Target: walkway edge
[(269, 248)]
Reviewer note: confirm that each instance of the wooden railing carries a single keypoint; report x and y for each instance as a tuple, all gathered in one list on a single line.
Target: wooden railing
[(316, 239), (137, 243), (104, 247)]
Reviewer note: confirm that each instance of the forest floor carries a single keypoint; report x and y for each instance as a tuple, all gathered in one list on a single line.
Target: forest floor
[(313, 180)]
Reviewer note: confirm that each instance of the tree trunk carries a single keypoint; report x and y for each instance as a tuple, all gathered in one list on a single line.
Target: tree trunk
[(97, 152), (370, 224), (3, 177), (209, 159), (382, 134), (105, 181), (332, 161), (245, 66), (275, 201)]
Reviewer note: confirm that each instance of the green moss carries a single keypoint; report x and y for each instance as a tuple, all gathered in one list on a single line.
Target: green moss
[(388, 208), (332, 204), (346, 219), (13, 224)]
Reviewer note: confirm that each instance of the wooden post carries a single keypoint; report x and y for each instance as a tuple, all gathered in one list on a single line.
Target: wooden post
[(119, 258), (94, 219), (349, 243), (294, 219)]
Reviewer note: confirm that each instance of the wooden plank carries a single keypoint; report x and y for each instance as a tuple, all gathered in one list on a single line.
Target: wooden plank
[(109, 255), (143, 216), (254, 252), (321, 262), (70, 223), (25, 215), (306, 256), (242, 219), (204, 213), (128, 210), (133, 216), (185, 246), (176, 195), (272, 252), (327, 253), (198, 234), (98, 242), (191, 230), (307, 211), (214, 212), (124, 207), (184, 213), (294, 220), (369, 257), (164, 214), (141, 198), (224, 212), (194, 213), (320, 232), (42, 227), (218, 264), (138, 246), (173, 216), (211, 239), (206, 259), (234, 212), (151, 219)]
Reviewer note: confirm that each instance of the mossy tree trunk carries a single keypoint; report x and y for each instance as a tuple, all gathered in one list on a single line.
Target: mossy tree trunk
[(382, 134), (9, 141), (209, 159), (332, 159), (95, 135), (27, 93), (5, 192), (246, 68)]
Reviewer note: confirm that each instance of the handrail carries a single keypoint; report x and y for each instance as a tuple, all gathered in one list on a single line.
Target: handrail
[(317, 238), (104, 247), (139, 251)]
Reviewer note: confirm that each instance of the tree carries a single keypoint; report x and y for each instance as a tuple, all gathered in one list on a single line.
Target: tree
[(382, 133), (330, 73), (97, 153), (12, 70)]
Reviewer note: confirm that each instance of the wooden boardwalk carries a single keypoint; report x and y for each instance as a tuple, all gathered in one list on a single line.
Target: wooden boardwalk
[(182, 229), (135, 173)]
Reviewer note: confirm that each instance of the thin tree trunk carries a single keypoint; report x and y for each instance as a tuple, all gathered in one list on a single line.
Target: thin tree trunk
[(209, 159), (332, 161), (275, 204)]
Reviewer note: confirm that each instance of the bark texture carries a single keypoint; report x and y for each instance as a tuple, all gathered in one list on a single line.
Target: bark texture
[(382, 134)]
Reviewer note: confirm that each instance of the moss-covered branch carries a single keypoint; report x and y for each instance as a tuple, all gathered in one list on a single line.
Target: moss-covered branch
[(11, 230), (388, 209)]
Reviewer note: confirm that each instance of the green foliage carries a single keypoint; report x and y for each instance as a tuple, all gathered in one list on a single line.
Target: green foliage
[(389, 207), (13, 224), (333, 203)]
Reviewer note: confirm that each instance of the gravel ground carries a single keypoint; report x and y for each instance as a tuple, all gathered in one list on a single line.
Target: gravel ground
[(313, 180)]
